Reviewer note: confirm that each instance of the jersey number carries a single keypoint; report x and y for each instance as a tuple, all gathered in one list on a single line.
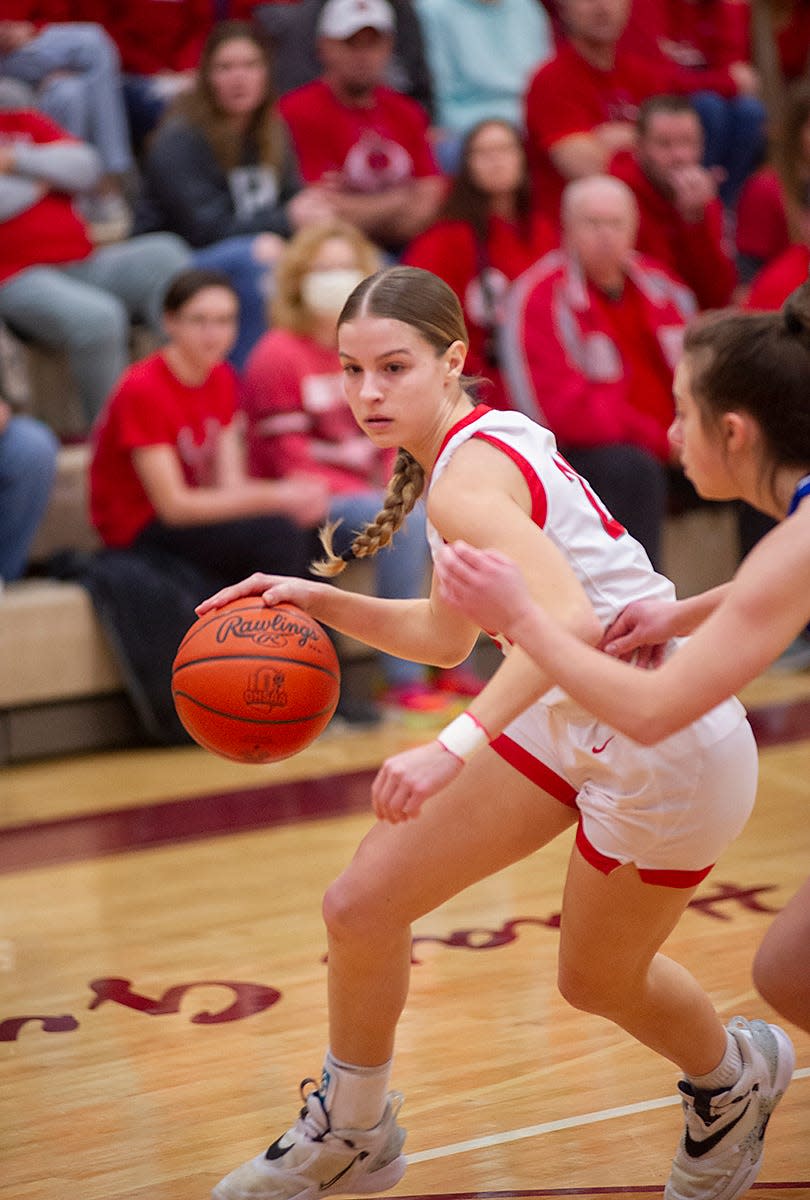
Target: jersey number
[(611, 526)]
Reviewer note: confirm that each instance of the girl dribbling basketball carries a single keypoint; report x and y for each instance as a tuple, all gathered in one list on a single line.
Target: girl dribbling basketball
[(520, 766)]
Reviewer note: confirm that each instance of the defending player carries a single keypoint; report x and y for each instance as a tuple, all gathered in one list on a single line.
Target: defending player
[(743, 430)]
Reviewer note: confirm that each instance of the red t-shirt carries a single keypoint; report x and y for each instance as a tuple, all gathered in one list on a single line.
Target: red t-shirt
[(370, 148), (292, 392), (762, 227), (793, 38), (161, 35), (568, 96), (697, 41), (693, 251), (50, 230), (449, 250), (151, 407), (775, 282), (40, 12)]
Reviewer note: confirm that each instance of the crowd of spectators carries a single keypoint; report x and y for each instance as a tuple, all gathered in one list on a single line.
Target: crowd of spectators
[(585, 174)]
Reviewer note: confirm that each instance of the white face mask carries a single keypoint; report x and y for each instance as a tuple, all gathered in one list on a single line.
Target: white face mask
[(325, 292)]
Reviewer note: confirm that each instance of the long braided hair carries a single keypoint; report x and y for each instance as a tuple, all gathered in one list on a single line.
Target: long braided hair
[(426, 303)]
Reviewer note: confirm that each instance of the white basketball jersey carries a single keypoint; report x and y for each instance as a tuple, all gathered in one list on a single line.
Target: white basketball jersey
[(612, 566)]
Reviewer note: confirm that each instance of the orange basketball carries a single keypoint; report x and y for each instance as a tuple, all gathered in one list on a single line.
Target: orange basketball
[(253, 683)]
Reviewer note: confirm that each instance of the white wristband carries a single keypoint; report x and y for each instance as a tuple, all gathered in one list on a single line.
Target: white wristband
[(463, 737)]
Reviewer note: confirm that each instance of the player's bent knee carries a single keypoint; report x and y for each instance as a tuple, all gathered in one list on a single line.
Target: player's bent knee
[(590, 992), (351, 914)]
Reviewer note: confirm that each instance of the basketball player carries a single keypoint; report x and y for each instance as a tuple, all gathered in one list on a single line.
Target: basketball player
[(521, 765), (743, 430)]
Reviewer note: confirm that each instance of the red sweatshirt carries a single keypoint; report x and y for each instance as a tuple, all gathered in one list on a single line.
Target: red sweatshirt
[(448, 249), (50, 230), (692, 250), (696, 39)]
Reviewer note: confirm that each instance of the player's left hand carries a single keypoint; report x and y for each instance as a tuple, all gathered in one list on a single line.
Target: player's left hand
[(405, 781)]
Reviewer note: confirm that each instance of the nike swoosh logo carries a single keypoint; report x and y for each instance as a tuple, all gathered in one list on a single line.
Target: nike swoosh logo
[(327, 1183), (698, 1149), (599, 749), (277, 1150)]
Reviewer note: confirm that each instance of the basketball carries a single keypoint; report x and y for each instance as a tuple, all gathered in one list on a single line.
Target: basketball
[(255, 684)]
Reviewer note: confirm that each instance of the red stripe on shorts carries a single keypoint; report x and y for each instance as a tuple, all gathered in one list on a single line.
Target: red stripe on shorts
[(660, 877), (535, 770)]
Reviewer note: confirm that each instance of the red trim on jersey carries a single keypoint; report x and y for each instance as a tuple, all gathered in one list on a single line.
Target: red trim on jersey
[(536, 489), (535, 770), (660, 877), (478, 411)]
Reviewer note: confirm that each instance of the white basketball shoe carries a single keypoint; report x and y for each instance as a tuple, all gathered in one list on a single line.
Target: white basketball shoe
[(720, 1153), (312, 1159)]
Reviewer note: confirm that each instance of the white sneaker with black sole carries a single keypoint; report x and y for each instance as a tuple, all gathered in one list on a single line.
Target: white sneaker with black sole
[(312, 1159), (720, 1153)]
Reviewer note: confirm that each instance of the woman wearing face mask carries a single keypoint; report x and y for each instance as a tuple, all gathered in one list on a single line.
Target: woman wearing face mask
[(299, 421)]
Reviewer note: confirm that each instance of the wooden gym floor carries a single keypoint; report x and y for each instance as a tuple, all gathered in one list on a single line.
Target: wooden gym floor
[(163, 982)]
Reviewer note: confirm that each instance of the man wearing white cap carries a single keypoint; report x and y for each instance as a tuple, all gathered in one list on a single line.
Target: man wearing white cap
[(364, 141)]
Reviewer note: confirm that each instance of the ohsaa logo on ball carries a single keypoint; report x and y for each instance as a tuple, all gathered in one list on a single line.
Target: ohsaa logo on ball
[(266, 690)]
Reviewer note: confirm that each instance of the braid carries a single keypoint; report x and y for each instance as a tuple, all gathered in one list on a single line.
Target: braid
[(404, 488)]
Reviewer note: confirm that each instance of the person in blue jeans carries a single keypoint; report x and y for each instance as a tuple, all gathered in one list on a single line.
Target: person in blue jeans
[(28, 451)]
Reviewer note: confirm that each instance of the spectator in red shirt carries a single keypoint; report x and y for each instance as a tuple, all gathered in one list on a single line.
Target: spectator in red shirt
[(581, 107), (171, 499), (167, 468), (703, 47), (774, 206), (589, 343), (55, 288), (488, 233), (680, 216), (362, 140)]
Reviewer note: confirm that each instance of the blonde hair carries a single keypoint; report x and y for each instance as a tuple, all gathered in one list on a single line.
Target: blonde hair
[(287, 308), (420, 299)]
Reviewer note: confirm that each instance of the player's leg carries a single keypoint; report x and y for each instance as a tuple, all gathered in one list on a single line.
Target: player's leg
[(347, 1139), (489, 817), (782, 963), (612, 929)]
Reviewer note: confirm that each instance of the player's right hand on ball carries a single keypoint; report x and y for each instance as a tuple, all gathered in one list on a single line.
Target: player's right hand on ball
[(273, 589)]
